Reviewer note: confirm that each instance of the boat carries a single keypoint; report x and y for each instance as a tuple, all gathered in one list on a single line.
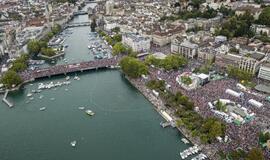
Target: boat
[(42, 108), (31, 98), (52, 99), (185, 140), (29, 94), (89, 112), (81, 108), (89, 47), (73, 143), (67, 78), (76, 78), (66, 45)]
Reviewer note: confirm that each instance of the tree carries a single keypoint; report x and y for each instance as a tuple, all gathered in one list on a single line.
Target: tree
[(56, 29), (255, 153), (116, 29), (93, 25), (48, 52), (133, 67), (118, 48), (264, 16), (117, 38), (33, 47), (11, 78)]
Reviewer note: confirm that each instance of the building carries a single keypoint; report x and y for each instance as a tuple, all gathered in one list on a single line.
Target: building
[(264, 72), (206, 54), (109, 7), (185, 48), (136, 42), (251, 63)]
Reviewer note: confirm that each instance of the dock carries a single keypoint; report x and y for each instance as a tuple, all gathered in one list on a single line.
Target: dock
[(6, 101)]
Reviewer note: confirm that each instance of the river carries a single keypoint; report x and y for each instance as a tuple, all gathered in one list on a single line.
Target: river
[(125, 126)]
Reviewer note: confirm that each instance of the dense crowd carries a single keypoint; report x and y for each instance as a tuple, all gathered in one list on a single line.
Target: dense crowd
[(244, 136), (62, 69)]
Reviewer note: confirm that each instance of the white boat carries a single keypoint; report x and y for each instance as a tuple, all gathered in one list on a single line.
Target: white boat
[(42, 108), (185, 140), (89, 112), (81, 108), (31, 98), (67, 78), (41, 96), (76, 78), (89, 47), (52, 99), (29, 94), (73, 143)]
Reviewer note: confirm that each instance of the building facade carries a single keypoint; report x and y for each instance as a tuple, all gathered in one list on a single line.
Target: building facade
[(185, 48), (264, 72), (136, 42)]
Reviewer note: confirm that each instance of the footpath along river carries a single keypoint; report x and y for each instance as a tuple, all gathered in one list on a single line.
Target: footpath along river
[(125, 126)]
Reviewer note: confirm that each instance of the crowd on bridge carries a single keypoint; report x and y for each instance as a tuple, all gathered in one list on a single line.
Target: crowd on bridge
[(68, 68)]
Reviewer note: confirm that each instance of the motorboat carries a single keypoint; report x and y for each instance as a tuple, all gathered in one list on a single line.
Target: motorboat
[(42, 108), (81, 108), (76, 78), (73, 143), (89, 112), (67, 78), (29, 94)]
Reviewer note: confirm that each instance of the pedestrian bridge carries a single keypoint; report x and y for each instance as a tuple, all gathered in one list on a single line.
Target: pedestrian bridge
[(69, 68)]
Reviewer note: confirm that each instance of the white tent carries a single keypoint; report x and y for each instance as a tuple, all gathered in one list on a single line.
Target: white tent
[(255, 103)]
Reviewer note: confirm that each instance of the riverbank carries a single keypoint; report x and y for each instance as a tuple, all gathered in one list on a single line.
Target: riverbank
[(158, 104)]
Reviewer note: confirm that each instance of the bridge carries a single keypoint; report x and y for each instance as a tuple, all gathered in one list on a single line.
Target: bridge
[(79, 13), (69, 68), (81, 24), (94, 1)]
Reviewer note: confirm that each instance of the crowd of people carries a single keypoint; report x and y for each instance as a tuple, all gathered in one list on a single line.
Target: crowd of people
[(244, 136), (67, 68)]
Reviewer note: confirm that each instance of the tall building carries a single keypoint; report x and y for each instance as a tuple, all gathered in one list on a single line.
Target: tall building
[(109, 7), (264, 72), (136, 42)]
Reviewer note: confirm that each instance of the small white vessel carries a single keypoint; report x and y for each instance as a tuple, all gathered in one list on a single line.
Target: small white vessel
[(52, 99), (89, 47), (73, 143), (31, 98), (41, 96), (67, 78), (29, 94), (185, 140), (76, 78), (89, 112), (42, 108), (81, 108)]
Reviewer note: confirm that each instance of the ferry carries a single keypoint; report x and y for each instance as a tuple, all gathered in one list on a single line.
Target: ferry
[(89, 112), (73, 143), (42, 108)]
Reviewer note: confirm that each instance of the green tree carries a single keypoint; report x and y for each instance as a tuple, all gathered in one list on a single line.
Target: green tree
[(33, 47), (11, 78), (117, 38), (56, 29), (48, 52), (133, 67), (118, 48), (265, 16), (255, 153)]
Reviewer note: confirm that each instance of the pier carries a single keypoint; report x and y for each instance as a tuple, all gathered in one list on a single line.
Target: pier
[(69, 68), (6, 101)]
